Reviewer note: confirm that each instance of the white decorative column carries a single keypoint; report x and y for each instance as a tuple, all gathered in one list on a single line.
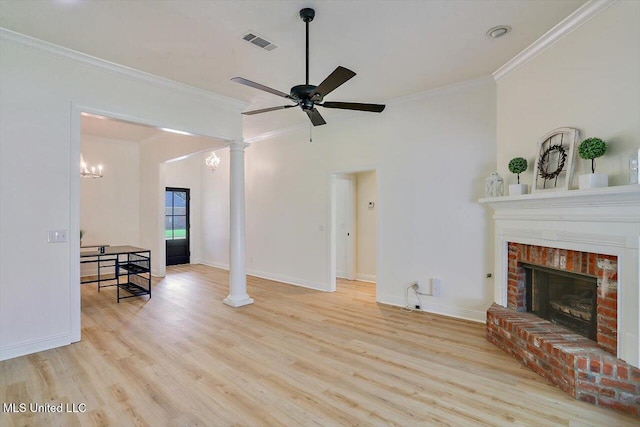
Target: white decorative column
[(237, 269)]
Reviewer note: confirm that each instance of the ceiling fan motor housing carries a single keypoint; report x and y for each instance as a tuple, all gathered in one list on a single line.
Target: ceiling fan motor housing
[(303, 94)]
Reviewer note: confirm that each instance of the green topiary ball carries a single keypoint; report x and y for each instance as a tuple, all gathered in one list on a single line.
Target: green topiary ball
[(592, 148), (518, 165)]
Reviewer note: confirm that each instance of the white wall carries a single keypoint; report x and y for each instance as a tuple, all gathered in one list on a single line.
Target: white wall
[(44, 88), (215, 213), (589, 80), (367, 220), (431, 153), (110, 206)]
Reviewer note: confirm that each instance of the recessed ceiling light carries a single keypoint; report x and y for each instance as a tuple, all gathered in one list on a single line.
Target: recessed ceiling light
[(498, 31)]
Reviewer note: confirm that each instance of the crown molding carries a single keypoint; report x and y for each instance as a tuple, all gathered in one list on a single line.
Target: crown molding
[(153, 79), (581, 15)]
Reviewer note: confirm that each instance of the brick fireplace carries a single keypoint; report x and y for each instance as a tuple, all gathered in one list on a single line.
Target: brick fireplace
[(594, 234), (603, 267)]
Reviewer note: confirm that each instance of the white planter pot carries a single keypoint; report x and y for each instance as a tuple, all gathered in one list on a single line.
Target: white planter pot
[(593, 180), (517, 189)]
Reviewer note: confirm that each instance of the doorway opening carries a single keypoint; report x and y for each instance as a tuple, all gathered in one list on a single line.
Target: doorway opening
[(125, 206), (177, 225), (354, 227)]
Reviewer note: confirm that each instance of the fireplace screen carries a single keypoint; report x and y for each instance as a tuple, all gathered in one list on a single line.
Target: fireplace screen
[(565, 298)]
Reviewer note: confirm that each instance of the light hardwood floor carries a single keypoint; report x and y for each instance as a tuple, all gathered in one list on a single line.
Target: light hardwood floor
[(296, 357)]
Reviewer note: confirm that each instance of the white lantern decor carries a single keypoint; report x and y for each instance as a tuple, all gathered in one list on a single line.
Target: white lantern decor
[(494, 185)]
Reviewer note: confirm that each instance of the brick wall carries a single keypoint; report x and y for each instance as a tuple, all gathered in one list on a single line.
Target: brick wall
[(604, 267)]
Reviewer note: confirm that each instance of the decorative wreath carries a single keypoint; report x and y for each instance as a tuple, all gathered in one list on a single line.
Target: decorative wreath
[(543, 162)]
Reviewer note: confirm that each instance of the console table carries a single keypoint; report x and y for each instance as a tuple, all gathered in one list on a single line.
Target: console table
[(131, 269)]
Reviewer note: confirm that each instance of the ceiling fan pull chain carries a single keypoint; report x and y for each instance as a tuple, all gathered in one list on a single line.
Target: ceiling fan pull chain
[(310, 133)]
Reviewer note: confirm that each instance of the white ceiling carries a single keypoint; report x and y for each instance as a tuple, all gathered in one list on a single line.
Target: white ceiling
[(397, 47)]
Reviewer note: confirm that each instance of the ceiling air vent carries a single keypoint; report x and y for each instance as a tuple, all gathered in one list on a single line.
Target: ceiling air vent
[(259, 41)]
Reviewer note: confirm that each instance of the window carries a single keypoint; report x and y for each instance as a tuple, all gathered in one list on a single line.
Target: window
[(175, 214)]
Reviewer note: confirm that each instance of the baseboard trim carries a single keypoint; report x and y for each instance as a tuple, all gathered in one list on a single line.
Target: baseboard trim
[(370, 278), (303, 283), (34, 346), (437, 308), (215, 264)]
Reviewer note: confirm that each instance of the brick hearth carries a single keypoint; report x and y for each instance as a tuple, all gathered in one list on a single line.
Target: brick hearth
[(585, 369), (574, 363)]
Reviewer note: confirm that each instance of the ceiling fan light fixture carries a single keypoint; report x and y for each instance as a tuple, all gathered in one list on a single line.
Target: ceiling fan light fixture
[(498, 31)]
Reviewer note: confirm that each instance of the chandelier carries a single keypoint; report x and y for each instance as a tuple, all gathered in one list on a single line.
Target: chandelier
[(87, 171), (212, 161)]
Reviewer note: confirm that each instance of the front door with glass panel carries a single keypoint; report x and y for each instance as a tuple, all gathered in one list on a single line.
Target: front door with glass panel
[(176, 225)]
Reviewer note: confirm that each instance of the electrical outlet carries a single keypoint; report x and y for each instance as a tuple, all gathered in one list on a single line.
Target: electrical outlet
[(57, 236), (415, 286)]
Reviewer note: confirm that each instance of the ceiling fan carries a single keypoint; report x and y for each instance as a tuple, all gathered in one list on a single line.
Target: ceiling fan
[(307, 96)]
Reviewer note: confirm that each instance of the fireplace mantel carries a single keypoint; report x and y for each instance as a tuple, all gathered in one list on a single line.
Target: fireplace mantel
[(604, 221), (616, 197)]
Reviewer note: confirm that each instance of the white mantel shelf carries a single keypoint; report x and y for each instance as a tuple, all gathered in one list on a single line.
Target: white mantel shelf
[(620, 195), (613, 204)]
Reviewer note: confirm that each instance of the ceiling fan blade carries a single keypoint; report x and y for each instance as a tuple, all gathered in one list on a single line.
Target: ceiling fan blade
[(255, 85), (374, 108), (315, 117), (265, 110), (334, 80)]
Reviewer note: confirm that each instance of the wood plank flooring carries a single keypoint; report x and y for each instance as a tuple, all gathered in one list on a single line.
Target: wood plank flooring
[(296, 357)]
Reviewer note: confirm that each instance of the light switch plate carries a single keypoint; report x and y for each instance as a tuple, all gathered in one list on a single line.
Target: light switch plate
[(57, 236)]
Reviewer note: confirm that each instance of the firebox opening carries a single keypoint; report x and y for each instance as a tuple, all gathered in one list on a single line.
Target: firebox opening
[(565, 298)]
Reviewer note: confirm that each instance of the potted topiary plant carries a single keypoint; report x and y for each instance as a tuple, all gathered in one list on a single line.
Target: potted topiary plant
[(518, 165), (591, 149)]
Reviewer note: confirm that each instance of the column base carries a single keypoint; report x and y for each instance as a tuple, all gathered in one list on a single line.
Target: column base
[(237, 302)]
